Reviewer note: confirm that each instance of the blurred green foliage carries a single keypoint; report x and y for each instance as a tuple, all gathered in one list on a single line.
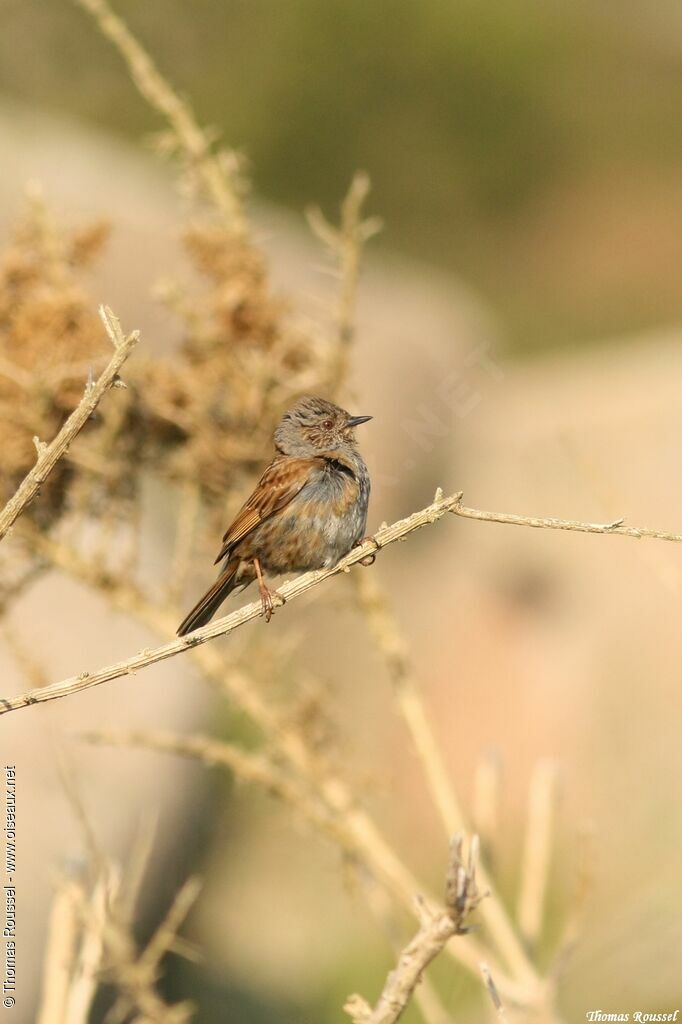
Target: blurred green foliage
[(534, 148)]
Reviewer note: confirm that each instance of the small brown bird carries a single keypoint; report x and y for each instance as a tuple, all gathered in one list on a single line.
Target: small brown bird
[(307, 511)]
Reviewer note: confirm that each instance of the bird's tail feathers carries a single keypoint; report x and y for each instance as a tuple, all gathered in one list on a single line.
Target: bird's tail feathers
[(206, 608)]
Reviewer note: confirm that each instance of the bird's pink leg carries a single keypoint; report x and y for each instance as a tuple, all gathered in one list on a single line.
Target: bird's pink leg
[(268, 608)]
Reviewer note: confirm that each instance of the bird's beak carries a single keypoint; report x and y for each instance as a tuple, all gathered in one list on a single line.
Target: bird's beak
[(355, 421)]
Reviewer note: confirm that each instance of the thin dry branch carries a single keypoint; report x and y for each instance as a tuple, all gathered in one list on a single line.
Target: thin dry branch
[(325, 804), (86, 976), (165, 937), (436, 928), (383, 537), (485, 812), (491, 989), (358, 830), (537, 851), (345, 243), (391, 645), (60, 956), (537, 523), (393, 649), (427, 997), (92, 939), (344, 821), (222, 627), (213, 170), (330, 807), (135, 974), (50, 454), (247, 766)]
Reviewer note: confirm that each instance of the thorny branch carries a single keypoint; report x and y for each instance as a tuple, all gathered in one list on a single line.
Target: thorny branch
[(50, 454)]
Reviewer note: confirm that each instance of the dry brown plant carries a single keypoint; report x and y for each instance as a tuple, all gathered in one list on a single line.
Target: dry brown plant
[(52, 343)]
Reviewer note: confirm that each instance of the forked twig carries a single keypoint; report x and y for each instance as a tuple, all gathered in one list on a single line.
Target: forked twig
[(436, 928)]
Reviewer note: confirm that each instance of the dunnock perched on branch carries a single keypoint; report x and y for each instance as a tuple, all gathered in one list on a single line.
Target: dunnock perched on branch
[(308, 510)]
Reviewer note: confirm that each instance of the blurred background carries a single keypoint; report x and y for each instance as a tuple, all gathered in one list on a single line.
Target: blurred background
[(518, 337), (534, 150)]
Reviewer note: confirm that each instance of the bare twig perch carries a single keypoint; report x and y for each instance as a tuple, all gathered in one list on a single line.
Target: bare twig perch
[(50, 454), (617, 526), (383, 537), (221, 627), (436, 928)]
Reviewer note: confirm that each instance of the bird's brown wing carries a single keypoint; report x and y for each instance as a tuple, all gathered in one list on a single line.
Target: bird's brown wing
[(281, 481)]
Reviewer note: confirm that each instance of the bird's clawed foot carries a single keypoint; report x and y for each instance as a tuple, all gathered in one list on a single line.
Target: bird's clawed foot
[(266, 595), (266, 603), (371, 558), (267, 600)]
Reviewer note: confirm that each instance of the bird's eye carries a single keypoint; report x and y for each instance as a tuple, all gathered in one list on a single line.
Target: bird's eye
[(328, 424)]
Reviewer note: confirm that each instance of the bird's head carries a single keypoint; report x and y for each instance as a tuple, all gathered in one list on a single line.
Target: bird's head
[(315, 426)]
